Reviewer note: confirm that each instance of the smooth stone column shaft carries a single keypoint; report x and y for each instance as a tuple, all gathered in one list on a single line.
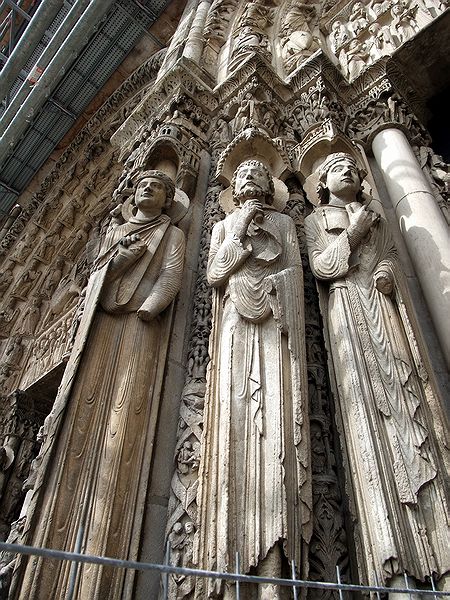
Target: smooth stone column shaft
[(421, 223)]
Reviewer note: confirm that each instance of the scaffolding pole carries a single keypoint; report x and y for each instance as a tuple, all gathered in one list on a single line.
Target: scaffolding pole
[(40, 22), (80, 31)]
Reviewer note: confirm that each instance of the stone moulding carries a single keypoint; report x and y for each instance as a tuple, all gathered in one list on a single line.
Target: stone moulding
[(182, 79)]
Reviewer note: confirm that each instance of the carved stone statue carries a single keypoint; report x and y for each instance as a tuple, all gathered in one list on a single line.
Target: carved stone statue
[(254, 495), (250, 35), (404, 24), (382, 382), (359, 18), (338, 36), (97, 454), (356, 57), (381, 42), (297, 41)]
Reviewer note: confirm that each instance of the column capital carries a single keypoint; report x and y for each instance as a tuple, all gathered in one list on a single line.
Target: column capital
[(388, 111)]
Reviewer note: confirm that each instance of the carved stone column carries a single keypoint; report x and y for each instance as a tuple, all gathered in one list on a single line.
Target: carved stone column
[(421, 223), (195, 41)]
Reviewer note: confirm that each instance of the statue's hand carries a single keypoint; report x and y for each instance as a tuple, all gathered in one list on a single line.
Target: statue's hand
[(360, 221), (146, 312), (384, 282), (248, 211), (129, 239), (131, 246), (269, 285)]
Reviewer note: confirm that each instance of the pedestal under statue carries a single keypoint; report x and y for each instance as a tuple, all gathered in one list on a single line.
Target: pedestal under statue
[(255, 484)]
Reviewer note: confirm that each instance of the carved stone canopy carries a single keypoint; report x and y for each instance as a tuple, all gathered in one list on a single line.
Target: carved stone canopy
[(324, 139), (253, 143)]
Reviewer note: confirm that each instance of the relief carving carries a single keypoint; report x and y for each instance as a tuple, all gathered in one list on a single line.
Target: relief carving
[(297, 34), (250, 35), (404, 24), (438, 174)]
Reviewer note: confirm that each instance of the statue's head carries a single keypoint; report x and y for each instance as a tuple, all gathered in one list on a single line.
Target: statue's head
[(154, 190), (339, 173), (252, 179)]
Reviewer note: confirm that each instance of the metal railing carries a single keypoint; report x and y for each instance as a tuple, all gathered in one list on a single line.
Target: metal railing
[(238, 578)]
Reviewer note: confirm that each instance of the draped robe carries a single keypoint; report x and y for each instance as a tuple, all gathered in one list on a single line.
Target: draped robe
[(255, 482), (383, 396), (98, 454)]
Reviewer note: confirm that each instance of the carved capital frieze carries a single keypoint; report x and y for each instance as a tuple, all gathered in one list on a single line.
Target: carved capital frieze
[(180, 93), (384, 111)]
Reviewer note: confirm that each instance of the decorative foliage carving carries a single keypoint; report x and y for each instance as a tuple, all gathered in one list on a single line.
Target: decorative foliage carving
[(330, 540)]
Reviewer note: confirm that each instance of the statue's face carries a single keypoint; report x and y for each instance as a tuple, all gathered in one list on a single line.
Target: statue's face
[(150, 195), (251, 182), (189, 527), (343, 176)]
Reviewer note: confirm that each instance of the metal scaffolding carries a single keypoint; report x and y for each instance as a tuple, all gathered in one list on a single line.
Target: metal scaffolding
[(57, 55)]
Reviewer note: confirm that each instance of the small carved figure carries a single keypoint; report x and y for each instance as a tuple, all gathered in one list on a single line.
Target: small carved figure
[(338, 36), (52, 280), (14, 352), (381, 41), (27, 280), (250, 35), (7, 317), (31, 317), (357, 57), (380, 6), (78, 241), (297, 41), (223, 133), (6, 279), (24, 247), (438, 174), (359, 18), (49, 243), (404, 24), (245, 114)]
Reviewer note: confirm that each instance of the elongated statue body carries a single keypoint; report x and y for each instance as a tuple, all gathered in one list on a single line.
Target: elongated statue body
[(382, 382), (255, 471), (103, 422)]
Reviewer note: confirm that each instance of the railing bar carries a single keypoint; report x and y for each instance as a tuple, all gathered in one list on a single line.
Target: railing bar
[(165, 576), (338, 575), (375, 578), (294, 588), (238, 585), (433, 587), (405, 576), (142, 566)]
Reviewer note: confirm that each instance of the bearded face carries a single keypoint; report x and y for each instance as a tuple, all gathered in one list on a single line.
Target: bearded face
[(251, 181)]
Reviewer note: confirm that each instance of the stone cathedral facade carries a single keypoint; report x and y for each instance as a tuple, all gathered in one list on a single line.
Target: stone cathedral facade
[(224, 319)]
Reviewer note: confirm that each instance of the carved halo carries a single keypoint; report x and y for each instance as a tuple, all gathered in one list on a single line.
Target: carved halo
[(253, 143)]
